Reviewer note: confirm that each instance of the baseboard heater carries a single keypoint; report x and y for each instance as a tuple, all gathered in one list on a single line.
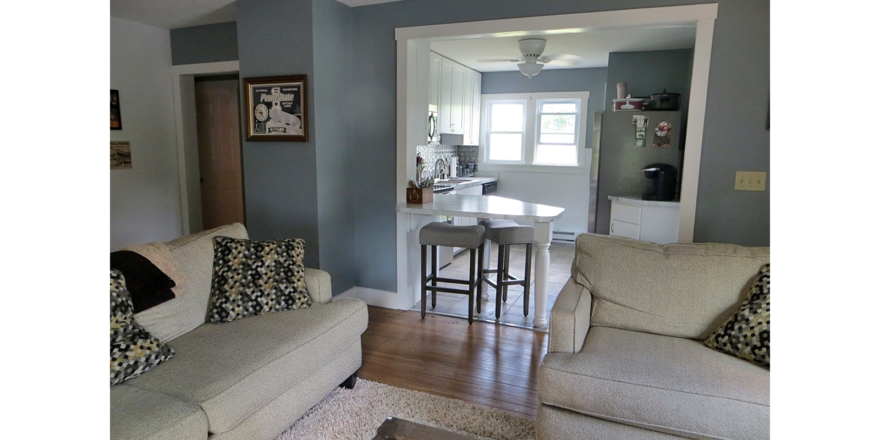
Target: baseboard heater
[(564, 236)]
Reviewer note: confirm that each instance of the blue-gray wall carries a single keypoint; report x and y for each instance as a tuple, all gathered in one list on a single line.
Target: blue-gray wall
[(204, 44), (336, 174), (281, 179), (275, 37)]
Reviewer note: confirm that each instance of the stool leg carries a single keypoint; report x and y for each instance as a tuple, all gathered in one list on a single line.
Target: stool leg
[(424, 278), (471, 278), (498, 285), (506, 269), (434, 271), (479, 298), (528, 279)]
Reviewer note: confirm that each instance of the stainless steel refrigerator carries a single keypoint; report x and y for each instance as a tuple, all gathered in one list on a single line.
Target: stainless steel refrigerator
[(617, 161)]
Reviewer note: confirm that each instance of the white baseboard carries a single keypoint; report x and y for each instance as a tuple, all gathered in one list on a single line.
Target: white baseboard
[(378, 298)]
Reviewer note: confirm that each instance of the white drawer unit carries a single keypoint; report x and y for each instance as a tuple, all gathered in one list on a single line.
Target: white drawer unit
[(646, 220)]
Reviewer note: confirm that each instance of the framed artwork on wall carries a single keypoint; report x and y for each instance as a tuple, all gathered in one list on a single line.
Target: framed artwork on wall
[(276, 109), (115, 115)]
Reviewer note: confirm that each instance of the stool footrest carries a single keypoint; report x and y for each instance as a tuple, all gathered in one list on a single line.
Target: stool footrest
[(447, 290)]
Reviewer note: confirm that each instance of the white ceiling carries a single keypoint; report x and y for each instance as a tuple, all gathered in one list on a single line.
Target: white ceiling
[(568, 49), (580, 48)]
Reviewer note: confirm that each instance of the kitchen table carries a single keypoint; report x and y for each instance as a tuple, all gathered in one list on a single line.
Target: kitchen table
[(491, 207)]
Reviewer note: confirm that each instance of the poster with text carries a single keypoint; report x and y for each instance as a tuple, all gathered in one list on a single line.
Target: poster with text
[(276, 109)]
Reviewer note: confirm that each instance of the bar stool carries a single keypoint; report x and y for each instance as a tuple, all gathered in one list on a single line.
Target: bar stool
[(505, 233), (443, 234)]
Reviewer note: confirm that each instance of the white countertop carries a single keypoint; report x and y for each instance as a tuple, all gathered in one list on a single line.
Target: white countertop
[(483, 207), (637, 201)]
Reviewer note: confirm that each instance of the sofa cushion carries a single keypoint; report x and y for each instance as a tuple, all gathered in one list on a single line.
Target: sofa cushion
[(747, 333), (684, 290), (194, 255), (256, 277), (232, 369), (662, 383), (137, 414), (133, 350)]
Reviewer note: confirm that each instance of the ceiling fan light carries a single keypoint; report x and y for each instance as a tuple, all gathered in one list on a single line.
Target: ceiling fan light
[(530, 69)]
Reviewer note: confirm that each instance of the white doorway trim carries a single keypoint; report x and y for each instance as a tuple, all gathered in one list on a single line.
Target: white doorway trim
[(183, 79), (412, 43)]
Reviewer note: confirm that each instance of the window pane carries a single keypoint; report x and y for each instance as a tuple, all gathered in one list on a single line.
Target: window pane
[(557, 124), (505, 146), (556, 155), (558, 107), (556, 138), (506, 117)]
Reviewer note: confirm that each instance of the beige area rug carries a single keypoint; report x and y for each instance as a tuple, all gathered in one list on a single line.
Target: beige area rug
[(356, 414)]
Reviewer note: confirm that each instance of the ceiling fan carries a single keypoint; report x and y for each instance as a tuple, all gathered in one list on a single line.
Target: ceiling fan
[(531, 62)]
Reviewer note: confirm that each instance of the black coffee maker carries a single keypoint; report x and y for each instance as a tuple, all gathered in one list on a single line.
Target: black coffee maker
[(661, 182)]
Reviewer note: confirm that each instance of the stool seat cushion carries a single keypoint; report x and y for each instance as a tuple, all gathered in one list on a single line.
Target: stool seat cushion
[(444, 234), (506, 232)]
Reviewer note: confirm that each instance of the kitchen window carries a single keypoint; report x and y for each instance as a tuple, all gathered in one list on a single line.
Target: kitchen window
[(534, 129)]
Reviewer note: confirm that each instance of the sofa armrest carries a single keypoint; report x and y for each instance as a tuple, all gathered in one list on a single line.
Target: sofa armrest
[(570, 318), (318, 284)]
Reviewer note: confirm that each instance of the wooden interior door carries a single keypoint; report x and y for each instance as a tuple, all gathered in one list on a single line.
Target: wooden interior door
[(217, 112)]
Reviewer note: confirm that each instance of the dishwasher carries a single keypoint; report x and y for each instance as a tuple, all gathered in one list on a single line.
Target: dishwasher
[(490, 187)]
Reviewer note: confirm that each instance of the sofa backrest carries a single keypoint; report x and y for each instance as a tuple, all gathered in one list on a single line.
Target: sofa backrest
[(194, 255), (683, 290)]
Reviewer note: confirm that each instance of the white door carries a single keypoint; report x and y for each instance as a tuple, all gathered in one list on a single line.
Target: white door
[(219, 152)]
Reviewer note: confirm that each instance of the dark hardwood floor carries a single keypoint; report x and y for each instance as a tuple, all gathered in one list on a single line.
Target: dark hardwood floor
[(483, 363)]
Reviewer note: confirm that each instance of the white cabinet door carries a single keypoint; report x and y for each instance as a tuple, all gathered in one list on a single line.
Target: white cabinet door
[(434, 82), (475, 106), (445, 105), (455, 123), (624, 229), (467, 102), (451, 96)]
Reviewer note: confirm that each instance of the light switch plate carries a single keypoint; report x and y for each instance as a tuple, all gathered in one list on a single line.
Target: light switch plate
[(750, 181)]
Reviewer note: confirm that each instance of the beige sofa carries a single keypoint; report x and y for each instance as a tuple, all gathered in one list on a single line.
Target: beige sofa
[(246, 379), (626, 359)]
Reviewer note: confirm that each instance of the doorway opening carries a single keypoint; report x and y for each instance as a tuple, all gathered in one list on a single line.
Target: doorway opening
[(186, 122)]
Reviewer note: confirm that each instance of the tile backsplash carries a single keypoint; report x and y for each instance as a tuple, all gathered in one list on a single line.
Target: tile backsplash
[(431, 153)]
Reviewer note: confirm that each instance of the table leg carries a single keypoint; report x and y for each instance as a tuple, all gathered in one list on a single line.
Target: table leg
[(543, 235)]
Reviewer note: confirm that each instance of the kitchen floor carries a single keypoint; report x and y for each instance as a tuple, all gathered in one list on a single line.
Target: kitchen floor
[(452, 304)]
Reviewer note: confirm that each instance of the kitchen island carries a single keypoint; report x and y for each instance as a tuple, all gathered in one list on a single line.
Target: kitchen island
[(482, 207)]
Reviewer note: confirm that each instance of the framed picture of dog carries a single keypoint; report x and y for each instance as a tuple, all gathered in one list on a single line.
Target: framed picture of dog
[(276, 109)]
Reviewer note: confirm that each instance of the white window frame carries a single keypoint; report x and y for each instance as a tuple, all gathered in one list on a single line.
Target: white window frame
[(531, 131), (486, 138)]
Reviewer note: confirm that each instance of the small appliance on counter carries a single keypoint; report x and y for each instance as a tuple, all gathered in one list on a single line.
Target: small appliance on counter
[(661, 182)]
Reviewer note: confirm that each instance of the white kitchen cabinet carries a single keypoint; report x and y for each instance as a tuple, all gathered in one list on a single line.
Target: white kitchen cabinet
[(451, 96), (434, 81), (647, 220), (473, 137), (458, 105), (467, 97)]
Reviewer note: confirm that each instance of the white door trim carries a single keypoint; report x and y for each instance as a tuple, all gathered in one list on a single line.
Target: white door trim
[(182, 78), (411, 39)]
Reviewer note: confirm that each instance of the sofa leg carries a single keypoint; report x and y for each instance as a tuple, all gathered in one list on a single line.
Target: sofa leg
[(350, 382)]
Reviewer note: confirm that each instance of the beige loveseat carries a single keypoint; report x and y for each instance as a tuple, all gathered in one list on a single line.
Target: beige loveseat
[(246, 379), (626, 359)]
